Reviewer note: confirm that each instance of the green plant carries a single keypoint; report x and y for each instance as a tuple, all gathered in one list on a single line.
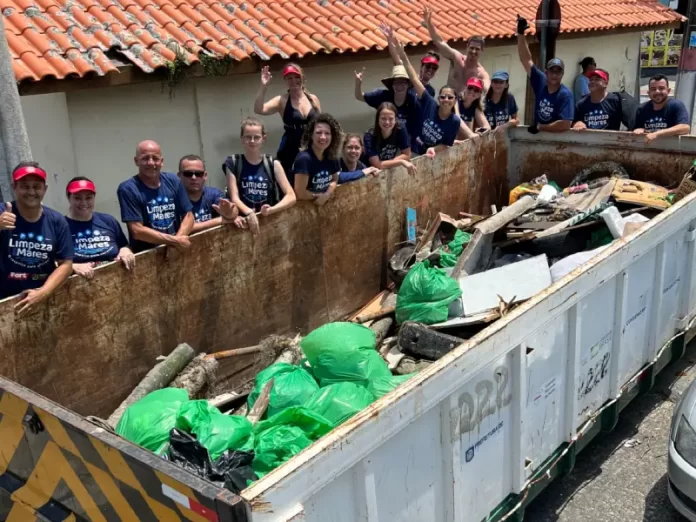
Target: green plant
[(215, 65), (176, 71)]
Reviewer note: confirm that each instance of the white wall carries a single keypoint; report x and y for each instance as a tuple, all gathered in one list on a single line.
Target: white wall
[(93, 133)]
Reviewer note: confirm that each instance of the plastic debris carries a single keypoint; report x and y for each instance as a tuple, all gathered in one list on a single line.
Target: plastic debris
[(148, 421), (339, 402), (292, 386), (425, 295)]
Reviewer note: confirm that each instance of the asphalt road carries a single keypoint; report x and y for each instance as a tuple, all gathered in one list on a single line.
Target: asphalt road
[(621, 476)]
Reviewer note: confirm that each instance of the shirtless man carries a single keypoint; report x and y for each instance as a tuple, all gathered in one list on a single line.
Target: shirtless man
[(461, 67)]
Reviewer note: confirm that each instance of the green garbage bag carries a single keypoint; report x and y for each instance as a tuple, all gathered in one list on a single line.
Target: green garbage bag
[(215, 431), (425, 295), (383, 385), (337, 337), (454, 249), (358, 366), (339, 402), (292, 387), (311, 423), (276, 445), (148, 421)]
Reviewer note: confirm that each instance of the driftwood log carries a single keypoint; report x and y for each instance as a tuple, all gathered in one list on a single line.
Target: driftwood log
[(160, 376), (198, 378)]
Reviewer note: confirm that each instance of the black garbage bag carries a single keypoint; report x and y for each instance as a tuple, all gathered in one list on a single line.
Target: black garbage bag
[(232, 470)]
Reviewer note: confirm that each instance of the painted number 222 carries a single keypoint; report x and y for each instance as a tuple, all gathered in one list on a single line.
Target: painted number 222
[(473, 412)]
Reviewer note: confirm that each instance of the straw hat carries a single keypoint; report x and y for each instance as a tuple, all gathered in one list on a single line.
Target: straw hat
[(398, 72)]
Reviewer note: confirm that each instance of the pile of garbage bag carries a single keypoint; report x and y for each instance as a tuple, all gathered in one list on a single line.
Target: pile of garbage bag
[(341, 375)]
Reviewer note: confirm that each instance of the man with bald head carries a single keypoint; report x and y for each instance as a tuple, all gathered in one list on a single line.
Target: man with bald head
[(154, 204)]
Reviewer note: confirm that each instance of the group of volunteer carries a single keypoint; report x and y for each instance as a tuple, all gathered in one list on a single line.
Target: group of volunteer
[(40, 248)]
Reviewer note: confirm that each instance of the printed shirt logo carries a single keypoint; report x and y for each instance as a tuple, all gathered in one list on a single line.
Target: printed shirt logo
[(655, 123), (30, 250), (92, 243), (202, 215), (596, 119), (545, 111), (255, 188), (321, 181), (498, 117), (161, 212), (388, 152), (432, 133)]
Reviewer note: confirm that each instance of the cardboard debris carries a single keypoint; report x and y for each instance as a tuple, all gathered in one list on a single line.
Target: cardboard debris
[(641, 193), (522, 280)]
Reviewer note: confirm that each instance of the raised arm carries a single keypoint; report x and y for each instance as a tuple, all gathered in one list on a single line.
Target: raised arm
[(359, 95), (412, 74), (442, 46), (261, 106), (522, 47)]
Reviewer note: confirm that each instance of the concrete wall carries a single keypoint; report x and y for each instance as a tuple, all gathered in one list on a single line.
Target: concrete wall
[(93, 133)]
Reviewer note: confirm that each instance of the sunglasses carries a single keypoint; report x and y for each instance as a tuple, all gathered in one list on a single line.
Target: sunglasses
[(431, 67), (192, 173), (473, 89), (447, 96)]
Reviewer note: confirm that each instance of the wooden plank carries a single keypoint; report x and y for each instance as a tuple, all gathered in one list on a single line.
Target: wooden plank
[(92, 342)]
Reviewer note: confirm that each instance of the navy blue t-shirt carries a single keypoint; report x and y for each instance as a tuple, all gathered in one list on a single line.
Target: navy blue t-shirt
[(467, 113), (605, 115), (29, 252), (254, 185), (500, 113), (320, 172), (387, 149), (408, 114), (673, 113), (550, 107), (428, 87), (436, 131), (161, 209), (96, 240), (203, 208), (348, 175)]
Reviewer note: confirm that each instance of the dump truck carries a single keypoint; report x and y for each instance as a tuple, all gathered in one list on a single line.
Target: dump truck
[(475, 436)]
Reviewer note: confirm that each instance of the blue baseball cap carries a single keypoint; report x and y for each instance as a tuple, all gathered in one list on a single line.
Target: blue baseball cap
[(500, 75), (556, 62)]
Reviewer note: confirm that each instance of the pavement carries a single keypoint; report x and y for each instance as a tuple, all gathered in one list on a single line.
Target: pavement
[(622, 475)]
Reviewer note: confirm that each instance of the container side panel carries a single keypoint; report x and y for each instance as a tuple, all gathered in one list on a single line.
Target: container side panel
[(485, 439), (596, 334), (636, 318), (673, 286), (338, 502), (546, 358)]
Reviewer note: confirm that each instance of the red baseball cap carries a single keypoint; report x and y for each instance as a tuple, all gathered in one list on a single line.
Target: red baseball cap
[(291, 69), (80, 185), (430, 59), (604, 75), (21, 172), (474, 82)]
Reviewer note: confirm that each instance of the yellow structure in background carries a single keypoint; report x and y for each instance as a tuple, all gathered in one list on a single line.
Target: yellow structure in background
[(660, 48)]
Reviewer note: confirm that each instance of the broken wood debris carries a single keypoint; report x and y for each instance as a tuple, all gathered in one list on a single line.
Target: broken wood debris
[(158, 377)]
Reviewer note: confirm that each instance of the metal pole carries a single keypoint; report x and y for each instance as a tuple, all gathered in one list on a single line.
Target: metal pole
[(14, 142), (686, 76), (543, 41)]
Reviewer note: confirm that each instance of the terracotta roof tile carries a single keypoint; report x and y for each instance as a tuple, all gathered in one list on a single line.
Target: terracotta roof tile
[(62, 38)]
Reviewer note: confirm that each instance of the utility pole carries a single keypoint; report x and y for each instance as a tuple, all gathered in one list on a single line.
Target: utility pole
[(686, 77), (14, 142)]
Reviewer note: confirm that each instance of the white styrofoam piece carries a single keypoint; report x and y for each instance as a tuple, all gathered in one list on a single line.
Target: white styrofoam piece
[(520, 280)]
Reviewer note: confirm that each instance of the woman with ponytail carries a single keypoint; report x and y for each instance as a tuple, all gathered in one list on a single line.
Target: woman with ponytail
[(297, 107)]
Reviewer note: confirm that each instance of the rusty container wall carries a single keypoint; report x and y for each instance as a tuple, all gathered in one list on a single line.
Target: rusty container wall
[(562, 156), (93, 341)]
